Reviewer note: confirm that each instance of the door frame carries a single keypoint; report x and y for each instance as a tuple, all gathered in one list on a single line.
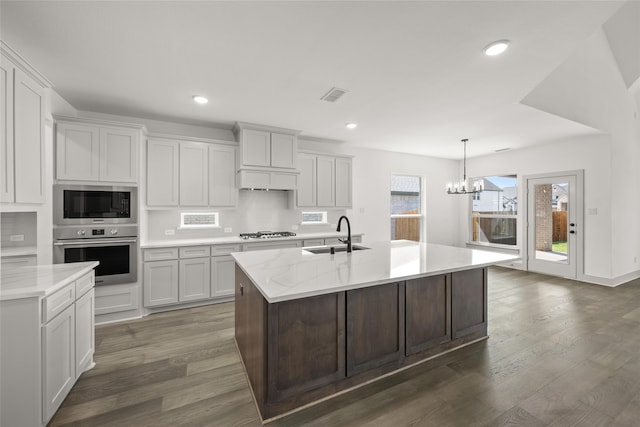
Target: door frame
[(579, 211)]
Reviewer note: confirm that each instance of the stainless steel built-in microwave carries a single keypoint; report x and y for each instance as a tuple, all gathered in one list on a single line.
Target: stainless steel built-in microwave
[(94, 204)]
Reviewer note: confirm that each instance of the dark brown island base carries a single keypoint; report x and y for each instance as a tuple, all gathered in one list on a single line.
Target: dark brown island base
[(302, 350)]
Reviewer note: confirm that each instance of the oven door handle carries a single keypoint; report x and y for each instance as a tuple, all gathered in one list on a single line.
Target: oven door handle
[(94, 242)]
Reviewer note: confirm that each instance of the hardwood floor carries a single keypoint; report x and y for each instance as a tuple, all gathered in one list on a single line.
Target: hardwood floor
[(560, 353)]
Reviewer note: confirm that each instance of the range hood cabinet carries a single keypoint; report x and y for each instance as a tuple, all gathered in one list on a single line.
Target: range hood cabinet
[(256, 179)]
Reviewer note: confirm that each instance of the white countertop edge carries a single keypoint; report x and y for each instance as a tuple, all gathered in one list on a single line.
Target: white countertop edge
[(18, 251), (274, 297), (30, 273), (343, 288), (151, 244)]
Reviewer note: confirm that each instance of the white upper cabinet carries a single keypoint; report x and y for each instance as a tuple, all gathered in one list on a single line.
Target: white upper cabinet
[(96, 151), (222, 176), (266, 147), (256, 148), (306, 194), (325, 181), (118, 155), (77, 152), (284, 150), (194, 174), (344, 184), (163, 166), (189, 173), (22, 132)]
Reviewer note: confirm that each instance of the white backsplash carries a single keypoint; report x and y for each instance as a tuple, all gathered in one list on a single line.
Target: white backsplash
[(20, 225), (256, 211)]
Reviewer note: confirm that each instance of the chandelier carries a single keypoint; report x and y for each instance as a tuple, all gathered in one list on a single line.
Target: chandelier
[(463, 187)]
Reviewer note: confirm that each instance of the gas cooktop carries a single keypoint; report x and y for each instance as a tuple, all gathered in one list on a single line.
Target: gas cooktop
[(266, 235)]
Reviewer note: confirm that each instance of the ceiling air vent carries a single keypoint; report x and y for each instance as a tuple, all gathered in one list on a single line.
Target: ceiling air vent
[(334, 94)]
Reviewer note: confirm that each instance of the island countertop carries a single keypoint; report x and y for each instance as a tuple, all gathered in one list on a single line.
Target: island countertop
[(40, 280), (288, 274)]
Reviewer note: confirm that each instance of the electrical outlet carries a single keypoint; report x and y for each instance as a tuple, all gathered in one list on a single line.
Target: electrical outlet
[(294, 227), (169, 232), (16, 238), (228, 229)]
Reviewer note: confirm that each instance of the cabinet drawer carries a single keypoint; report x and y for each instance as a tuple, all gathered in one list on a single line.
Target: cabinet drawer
[(219, 250), (85, 283), (195, 251), (56, 303), (160, 254)]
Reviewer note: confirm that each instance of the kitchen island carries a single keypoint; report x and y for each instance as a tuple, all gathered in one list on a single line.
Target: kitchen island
[(312, 325)]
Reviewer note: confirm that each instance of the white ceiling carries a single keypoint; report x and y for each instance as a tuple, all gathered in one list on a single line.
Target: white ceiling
[(417, 77)]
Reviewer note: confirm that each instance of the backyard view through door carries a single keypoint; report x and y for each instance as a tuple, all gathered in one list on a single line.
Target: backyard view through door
[(552, 225)]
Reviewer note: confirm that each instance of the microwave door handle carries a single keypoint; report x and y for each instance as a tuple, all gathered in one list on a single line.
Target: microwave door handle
[(94, 242)]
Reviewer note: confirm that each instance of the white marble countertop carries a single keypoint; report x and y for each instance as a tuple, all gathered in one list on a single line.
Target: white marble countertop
[(18, 251), (40, 280), (236, 239), (287, 274)]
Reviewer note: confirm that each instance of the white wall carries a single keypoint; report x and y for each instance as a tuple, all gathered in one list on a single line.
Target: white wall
[(591, 154)]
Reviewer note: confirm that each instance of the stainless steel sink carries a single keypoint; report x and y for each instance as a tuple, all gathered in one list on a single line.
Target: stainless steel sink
[(327, 249)]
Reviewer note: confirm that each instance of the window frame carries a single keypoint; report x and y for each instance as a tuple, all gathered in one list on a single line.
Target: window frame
[(422, 204), (513, 216)]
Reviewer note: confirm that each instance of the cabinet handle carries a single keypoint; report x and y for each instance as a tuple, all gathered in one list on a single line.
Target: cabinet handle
[(241, 290)]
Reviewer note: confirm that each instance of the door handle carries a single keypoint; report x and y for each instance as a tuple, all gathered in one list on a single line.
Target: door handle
[(572, 225), (572, 231)]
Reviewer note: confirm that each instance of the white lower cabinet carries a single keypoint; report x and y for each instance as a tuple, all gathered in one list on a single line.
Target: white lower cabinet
[(46, 344), (222, 276), (195, 279), (85, 331), (59, 360), (160, 283), (175, 275)]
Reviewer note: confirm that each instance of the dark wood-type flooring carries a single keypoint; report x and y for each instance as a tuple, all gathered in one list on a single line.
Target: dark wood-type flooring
[(560, 353)]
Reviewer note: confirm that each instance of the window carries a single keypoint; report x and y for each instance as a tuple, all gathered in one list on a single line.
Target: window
[(406, 207), (494, 212), (199, 220), (314, 217)]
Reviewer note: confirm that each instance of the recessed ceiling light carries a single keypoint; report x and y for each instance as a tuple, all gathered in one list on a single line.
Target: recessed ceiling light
[(199, 99), (351, 125), (496, 48)]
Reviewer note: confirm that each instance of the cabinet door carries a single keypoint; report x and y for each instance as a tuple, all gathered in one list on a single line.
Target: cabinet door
[(195, 279), (222, 276), (375, 327), (28, 131), (326, 181), (343, 183), (469, 302), (256, 147), (222, 176), (428, 316), (306, 193), (160, 282), (118, 155), (6, 131), (306, 345), (194, 174), (284, 150), (58, 360), (85, 340), (163, 159), (77, 152)]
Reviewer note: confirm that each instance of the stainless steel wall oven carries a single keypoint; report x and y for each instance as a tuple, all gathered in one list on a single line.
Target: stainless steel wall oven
[(97, 223), (115, 247)]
